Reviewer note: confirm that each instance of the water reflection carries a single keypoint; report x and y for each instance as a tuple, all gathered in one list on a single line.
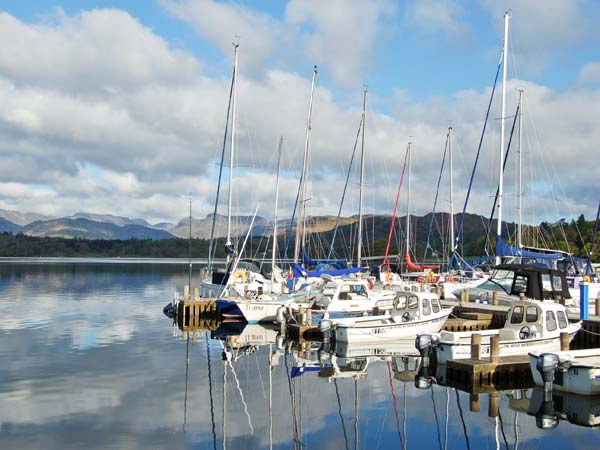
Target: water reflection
[(88, 361)]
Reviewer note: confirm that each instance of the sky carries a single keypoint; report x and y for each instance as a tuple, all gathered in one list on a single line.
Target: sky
[(120, 106)]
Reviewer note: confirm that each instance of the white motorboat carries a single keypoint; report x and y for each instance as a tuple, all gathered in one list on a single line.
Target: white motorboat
[(412, 312), (352, 295), (575, 371), (530, 325)]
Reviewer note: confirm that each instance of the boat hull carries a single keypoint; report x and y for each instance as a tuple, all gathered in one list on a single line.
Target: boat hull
[(579, 378)]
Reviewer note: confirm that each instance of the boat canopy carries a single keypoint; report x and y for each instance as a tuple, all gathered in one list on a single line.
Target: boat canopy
[(534, 282), (338, 264), (503, 249)]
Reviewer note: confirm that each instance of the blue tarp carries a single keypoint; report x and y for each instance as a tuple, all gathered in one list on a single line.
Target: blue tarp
[(298, 371), (339, 264)]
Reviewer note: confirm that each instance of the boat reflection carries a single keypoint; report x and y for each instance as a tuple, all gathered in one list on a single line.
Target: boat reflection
[(550, 408)]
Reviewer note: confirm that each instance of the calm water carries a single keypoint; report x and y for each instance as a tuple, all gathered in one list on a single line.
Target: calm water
[(88, 360)]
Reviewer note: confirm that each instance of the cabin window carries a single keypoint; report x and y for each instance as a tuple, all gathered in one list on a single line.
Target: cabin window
[(546, 284), (532, 314), (401, 304), (550, 321), (557, 282), (520, 284), (426, 306), (562, 319), (435, 304), (413, 302), (517, 315)]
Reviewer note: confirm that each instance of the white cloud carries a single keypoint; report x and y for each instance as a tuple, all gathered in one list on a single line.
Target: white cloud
[(589, 75)]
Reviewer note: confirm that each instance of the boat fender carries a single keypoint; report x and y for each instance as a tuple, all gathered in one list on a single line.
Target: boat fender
[(371, 284), (524, 333), (241, 275), (431, 276), (387, 276)]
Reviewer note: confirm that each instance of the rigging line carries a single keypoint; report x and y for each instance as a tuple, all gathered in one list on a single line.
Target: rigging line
[(292, 402), (356, 414), (224, 419), (462, 418), (488, 228), (464, 211), (237, 382), (387, 247), (210, 392), (211, 246), (337, 394), (437, 421), (447, 409), (395, 405), (337, 220)]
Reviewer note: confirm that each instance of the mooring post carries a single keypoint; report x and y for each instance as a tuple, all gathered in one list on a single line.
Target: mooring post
[(584, 300), (493, 405), (474, 405), (186, 292), (375, 310), (495, 348), (308, 316), (564, 341), (598, 305), (475, 346), (196, 293), (495, 298)]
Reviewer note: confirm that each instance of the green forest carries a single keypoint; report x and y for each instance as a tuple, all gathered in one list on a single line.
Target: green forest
[(574, 237)]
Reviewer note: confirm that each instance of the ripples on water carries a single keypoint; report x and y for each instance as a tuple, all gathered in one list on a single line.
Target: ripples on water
[(87, 360)]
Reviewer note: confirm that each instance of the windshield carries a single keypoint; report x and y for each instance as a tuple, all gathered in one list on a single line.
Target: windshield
[(500, 278)]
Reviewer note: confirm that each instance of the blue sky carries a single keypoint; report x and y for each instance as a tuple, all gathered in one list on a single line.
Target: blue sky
[(148, 84)]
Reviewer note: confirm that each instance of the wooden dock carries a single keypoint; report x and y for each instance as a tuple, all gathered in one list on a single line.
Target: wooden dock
[(484, 376), (197, 314)]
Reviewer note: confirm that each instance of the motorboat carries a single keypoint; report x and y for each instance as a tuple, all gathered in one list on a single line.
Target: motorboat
[(412, 312), (529, 326), (576, 371)]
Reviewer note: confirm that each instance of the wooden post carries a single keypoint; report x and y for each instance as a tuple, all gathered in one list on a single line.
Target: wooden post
[(375, 310), (474, 405), (495, 348), (196, 293), (308, 316), (495, 298), (493, 405), (475, 346), (564, 341), (186, 292), (598, 305)]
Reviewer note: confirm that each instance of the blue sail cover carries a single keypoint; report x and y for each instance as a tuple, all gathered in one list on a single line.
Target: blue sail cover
[(301, 272), (339, 264), (503, 249)]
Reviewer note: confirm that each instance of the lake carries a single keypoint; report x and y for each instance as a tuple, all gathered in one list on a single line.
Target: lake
[(88, 360)]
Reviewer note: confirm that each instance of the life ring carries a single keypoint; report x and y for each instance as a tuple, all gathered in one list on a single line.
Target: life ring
[(241, 274), (430, 277), (371, 284), (387, 276), (586, 278), (524, 332)]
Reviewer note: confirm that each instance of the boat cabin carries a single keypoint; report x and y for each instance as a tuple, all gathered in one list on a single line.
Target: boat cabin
[(412, 306), (539, 283), (534, 320)]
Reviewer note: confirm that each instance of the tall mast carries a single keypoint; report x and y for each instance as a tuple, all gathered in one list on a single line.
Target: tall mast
[(190, 249), (451, 189), (362, 176), (301, 222), (520, 225), (502, 121), (232, 148), (276, 208), (408, 200)]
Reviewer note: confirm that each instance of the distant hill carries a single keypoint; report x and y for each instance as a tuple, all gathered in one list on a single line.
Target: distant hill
[(90, 229), (164, 226), (20, 218), (8, 226), (201, 227), (109, 218)]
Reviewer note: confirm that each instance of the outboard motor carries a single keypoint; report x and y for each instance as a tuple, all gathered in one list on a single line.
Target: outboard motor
[(546, 417), (546, 365), (281, 315), (426, 344), (325, 327)]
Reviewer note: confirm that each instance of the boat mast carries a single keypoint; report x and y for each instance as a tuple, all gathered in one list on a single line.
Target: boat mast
[(502, 121), (451, 190), (190, 250), (232, 150), (275, 218), (520, 225), (301, 227), (408, 201), (362, 176)]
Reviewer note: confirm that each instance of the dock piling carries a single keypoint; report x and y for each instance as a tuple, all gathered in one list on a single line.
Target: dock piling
[(495, 348), (475, 346), (564, 341)]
